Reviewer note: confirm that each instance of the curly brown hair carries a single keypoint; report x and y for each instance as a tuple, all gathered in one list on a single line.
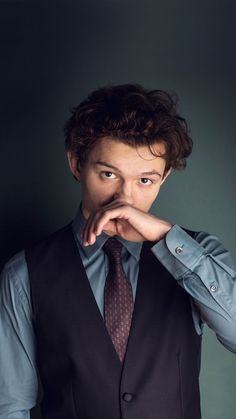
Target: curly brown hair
[(133, 115)]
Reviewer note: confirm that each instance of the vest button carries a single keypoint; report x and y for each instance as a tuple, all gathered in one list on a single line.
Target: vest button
[(127, 397)]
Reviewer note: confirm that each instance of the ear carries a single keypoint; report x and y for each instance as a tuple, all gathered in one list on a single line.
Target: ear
[(73, 164), (166, 175)]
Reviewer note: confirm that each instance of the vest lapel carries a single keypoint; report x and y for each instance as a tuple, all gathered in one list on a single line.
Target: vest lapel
[(153, 294), (89, 308)]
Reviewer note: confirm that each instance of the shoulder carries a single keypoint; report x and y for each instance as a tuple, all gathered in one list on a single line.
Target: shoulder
[(14, 277), (15, 274), (50, 240)]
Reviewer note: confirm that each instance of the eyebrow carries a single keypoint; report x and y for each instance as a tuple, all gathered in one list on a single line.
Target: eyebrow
[(103, 163)]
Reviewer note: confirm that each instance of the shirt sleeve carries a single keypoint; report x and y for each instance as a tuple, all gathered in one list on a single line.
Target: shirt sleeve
[(204, 268), (18, 375)]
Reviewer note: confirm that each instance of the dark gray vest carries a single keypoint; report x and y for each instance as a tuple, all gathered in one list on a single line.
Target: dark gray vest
[(80, 371)]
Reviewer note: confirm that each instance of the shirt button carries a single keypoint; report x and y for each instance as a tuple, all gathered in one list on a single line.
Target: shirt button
[(178, 250), (213, 288), (127, 397)]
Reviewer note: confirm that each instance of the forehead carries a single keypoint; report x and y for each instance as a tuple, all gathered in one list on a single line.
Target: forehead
[(126, 157)]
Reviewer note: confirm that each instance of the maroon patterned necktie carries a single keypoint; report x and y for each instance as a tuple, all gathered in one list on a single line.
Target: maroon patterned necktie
[(118, 298)]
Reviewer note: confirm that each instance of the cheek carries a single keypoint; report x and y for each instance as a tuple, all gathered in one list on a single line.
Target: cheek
[(145, 197), (97, 190)]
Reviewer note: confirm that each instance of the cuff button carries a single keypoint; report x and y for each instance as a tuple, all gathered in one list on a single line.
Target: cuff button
[(178, 250), (213, 288)]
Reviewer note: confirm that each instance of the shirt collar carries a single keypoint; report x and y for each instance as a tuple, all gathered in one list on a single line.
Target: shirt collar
[(78, 223)]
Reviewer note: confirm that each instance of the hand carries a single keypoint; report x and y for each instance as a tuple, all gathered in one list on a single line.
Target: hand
[(121, 219)]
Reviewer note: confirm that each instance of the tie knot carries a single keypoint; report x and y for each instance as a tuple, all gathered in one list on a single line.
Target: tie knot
[(112, 248)]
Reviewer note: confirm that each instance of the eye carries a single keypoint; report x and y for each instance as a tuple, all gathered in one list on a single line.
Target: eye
[(108, 175), (145, 181)]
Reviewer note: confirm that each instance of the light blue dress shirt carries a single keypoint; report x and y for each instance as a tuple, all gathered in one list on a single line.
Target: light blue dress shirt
[(201, 266)]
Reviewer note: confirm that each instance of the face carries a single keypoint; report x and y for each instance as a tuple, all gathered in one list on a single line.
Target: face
[(115, 170)]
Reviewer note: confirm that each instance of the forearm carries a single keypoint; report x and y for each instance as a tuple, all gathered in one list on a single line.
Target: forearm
[(18, 377), (20, 414), (205, 270)]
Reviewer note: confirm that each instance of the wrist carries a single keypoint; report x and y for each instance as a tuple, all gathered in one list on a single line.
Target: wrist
[(164, 228)]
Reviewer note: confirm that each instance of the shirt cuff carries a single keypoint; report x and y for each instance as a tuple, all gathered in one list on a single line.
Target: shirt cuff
[(178, 251)]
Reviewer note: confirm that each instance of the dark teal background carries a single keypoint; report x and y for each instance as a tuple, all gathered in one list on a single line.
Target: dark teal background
[(54, 53)]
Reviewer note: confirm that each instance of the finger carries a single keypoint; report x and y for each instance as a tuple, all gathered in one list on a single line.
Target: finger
[(107, 216), (85, 233), (89, 229), (96, 221), (92, 231), (88, 234)]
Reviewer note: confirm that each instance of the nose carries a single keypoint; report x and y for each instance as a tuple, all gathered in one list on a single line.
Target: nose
[(125, 192)]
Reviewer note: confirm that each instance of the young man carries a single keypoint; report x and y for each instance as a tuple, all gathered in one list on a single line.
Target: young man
[(109, 310)]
